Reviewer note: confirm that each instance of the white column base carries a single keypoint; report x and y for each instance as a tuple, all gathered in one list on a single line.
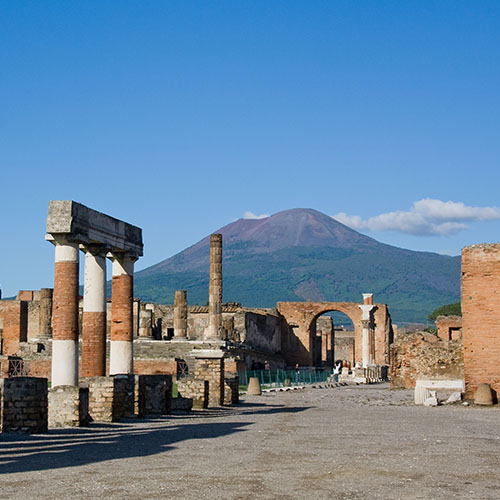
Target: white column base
[(64, 362), (121, 359)]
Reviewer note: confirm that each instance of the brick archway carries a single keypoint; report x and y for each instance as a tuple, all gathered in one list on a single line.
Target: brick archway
[(301, 316)]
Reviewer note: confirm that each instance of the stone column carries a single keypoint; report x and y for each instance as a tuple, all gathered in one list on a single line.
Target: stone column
[(366, 322), (180, 314), (94, 314), (65, 315), (45, 313), (122, 297), (145, 322), (214, 330)]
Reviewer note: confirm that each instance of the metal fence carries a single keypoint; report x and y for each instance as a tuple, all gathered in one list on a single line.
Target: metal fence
[(277, 378)]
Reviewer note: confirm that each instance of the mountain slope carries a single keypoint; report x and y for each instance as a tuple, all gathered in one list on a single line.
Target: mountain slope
[(302, 254)]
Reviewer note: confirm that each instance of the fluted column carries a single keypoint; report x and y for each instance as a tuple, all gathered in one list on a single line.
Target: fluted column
[(122, 297), (65, 315), (94, 314), (214, 330), (180, 314)]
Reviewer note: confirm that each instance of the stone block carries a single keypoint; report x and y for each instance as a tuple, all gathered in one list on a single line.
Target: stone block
[(18, 414)]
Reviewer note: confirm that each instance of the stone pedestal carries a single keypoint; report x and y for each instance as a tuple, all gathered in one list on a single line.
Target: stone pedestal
[(23, 405), (110, 398), (68, 406), (210, 366)]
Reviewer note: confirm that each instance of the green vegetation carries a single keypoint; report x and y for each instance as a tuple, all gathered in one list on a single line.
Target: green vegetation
[(454, 309), (411, 283)]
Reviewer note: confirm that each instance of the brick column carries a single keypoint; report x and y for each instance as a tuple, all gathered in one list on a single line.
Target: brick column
[(45, 313), (94, 314), (480, 316), (122, 321), (180, 314), (65, 315), (214, 330)]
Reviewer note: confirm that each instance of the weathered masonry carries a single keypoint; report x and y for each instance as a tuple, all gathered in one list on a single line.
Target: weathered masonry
[(480, 317), (72, 227)]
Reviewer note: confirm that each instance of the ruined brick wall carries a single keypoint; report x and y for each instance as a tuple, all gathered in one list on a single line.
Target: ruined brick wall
[(426, 356), (449, 327), (14, 325), (23, 405), (481, 316)]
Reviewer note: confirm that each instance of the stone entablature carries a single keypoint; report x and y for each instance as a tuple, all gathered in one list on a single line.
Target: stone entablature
[(80, 224)]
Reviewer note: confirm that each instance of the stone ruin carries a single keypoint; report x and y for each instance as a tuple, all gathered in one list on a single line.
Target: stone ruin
[(101, 380)]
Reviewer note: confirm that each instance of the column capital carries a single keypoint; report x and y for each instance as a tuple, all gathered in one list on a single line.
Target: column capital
[(366, 310), (94, 249)]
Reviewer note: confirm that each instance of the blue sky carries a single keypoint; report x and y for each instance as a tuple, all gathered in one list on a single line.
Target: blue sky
[(180, 117)]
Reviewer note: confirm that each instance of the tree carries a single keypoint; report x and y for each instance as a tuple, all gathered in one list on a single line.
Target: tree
[(447, 310)]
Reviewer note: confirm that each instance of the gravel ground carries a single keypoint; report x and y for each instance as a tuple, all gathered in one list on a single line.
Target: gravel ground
[(354, 442)]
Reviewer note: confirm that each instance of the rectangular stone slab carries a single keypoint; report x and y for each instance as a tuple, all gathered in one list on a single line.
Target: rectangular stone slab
[(81, 224)]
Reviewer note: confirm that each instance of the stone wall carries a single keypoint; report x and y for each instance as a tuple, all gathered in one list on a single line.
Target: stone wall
[(196, 390), (344, 346), (423, 355), (110, 398), (480, 316), (23, 405)]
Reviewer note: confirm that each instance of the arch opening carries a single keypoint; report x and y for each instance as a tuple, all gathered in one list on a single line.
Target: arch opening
[(332, 339)]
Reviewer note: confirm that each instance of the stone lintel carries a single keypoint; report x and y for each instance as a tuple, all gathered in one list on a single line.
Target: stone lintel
[(80, 224)]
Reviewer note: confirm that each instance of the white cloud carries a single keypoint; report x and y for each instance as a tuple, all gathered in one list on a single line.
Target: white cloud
[(426, 217), (251, 215)]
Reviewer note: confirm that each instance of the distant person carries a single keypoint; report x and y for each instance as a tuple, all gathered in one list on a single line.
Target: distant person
[(267, 366), (336, 371)]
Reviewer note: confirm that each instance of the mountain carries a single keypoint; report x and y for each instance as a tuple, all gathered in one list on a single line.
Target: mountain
[(302, 254)]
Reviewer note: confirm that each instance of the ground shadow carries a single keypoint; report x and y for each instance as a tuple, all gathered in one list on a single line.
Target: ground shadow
[(133, 438)]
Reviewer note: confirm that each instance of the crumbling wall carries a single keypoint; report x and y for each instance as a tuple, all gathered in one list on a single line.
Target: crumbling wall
[(424, 355)]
